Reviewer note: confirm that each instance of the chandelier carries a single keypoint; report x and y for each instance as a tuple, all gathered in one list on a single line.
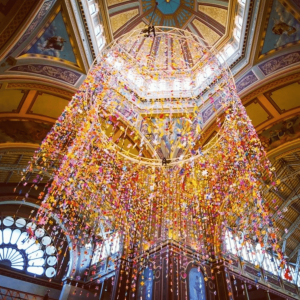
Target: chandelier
[(129, 155)]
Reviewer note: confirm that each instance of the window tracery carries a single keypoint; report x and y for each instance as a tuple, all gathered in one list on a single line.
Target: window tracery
[(26, 247)]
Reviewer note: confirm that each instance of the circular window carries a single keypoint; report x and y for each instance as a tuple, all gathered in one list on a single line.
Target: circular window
[(27, 247)]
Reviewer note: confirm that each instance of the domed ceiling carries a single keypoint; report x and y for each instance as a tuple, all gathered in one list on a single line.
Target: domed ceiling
[(208, 19), (36, 83)]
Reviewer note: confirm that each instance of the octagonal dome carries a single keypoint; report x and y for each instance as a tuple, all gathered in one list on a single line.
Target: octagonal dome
[(172, 64)]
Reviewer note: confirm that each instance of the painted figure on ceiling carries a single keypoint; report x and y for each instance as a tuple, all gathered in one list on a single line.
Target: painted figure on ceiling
[(281, 28), (54, 43)]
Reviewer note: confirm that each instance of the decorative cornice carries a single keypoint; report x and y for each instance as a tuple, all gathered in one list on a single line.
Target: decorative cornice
[(38, 87), (269, 86)]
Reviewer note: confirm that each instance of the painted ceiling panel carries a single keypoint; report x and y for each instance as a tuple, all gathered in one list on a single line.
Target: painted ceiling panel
[(210, 36), (10, 99), (117, 21), (48, 105), (287, 97), (218, 14), (282, 29), (257, 113), (55, 41)]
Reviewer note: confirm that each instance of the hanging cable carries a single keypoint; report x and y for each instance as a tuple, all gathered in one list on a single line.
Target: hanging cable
[(151, 29)]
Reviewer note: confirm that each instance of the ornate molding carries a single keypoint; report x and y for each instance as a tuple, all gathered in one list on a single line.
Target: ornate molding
[(36, 86), (59, 73), (270, 85), (279, 62)]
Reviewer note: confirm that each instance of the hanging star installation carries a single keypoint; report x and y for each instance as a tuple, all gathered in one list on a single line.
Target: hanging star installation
[(127, 153)]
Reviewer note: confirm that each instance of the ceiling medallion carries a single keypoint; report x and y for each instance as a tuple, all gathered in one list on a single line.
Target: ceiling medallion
[(174, 13)]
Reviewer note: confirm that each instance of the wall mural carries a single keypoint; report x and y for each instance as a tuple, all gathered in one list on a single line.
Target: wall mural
[(282, 29), (145, 285), (55, 41), (279, 134), (196, 285), (23, 131)]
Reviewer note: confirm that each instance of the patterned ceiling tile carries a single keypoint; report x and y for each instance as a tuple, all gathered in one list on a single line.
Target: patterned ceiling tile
[(285, 98), (282, 30), (47, 105), (118, 20), (54, 41), (39, 87), (62, 74), (210, 36), (218, 14), (279, 62), (257, 112)]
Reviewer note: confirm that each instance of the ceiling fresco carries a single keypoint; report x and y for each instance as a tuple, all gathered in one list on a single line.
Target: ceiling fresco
[(283, 29), (54, 41)]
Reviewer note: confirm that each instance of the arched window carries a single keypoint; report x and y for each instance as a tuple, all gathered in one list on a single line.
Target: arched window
[(196, 285), (26, 247)]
